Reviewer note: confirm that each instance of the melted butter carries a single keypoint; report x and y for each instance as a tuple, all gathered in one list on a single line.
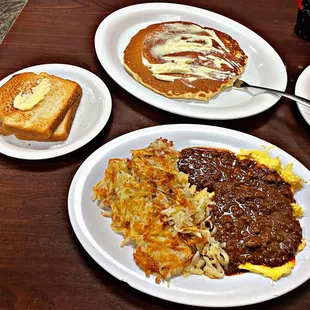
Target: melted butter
[(178, 38), (171, 78), (180, 59), (166, 78), (191, 79), (190, 31), (178, 44), (218, 62), (159, 69), (27, 101), (197, 71), (179, 26)]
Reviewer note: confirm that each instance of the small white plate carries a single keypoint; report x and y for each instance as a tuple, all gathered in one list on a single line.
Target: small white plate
[(264, 67), (90, 118), (95, 234), (302, 89)]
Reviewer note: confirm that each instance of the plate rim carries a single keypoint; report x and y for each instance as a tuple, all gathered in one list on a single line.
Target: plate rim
[(299, 92), (116, 271), (34, 154), (102, 55)]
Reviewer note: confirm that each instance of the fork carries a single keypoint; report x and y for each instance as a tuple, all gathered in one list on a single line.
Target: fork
[(241, 84)]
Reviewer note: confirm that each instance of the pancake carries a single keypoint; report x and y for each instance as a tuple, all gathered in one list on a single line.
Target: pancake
[(184, 60)]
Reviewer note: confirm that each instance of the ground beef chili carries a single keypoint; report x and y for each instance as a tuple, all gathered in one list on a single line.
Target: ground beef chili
[(253, 212)]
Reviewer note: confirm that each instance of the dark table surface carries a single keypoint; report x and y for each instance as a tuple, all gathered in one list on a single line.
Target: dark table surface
[(42, 264)]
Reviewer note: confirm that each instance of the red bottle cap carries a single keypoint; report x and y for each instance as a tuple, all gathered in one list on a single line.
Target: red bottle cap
[(299, 3)]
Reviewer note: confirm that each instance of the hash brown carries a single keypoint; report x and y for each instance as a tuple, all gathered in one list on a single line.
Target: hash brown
[(152, 205)]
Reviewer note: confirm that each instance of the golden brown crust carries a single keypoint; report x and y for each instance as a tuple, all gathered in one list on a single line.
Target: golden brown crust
[(4, 131), (200, 89), (62, 131), (39, 123)]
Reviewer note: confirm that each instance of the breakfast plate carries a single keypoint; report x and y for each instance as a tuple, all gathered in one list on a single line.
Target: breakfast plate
[(95, 234), (264, 67), (91, 116), (302, 89)]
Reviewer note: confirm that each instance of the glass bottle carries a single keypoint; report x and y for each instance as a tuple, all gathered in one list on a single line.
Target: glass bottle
[(302, 28)]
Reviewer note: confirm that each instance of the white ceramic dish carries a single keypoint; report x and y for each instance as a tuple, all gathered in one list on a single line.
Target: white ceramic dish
[(96, 236), (91, 116), (264, 67), (302, 89)]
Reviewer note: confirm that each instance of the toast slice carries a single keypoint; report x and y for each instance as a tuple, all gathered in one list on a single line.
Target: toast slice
[(62, 131), (40, 121)]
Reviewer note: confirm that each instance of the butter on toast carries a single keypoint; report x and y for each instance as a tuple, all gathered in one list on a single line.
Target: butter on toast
[(51, 115)]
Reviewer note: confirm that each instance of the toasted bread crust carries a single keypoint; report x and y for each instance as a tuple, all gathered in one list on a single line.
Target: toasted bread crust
[(39, 123), (4, 131), (62, 131)]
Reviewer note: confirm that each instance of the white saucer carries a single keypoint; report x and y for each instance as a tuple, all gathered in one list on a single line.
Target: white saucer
[(91, 116), (302, 89)]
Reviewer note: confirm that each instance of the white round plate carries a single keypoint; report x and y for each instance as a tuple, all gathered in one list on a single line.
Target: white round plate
[(94, 232), (302, 89), (90, 118), (264, 67)]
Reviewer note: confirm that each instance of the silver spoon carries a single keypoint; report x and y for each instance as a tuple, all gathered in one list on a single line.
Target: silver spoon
[(241, 84)]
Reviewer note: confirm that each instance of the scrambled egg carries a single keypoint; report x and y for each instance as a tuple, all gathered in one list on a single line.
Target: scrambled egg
[(302, 245), (263, 157), (274, 273), (297, 210)]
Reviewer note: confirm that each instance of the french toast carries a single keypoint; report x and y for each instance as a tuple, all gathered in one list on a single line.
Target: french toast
[(38, 107), (184, 60)]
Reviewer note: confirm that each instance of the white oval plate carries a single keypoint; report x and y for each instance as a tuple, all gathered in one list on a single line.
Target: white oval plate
[(90, 118), (264, 67), (302, 89), (96, 236)]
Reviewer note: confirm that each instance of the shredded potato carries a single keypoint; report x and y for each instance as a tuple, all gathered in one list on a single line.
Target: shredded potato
[(153, 206)]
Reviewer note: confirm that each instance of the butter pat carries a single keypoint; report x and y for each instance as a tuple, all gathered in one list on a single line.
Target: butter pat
[(27, 101)]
